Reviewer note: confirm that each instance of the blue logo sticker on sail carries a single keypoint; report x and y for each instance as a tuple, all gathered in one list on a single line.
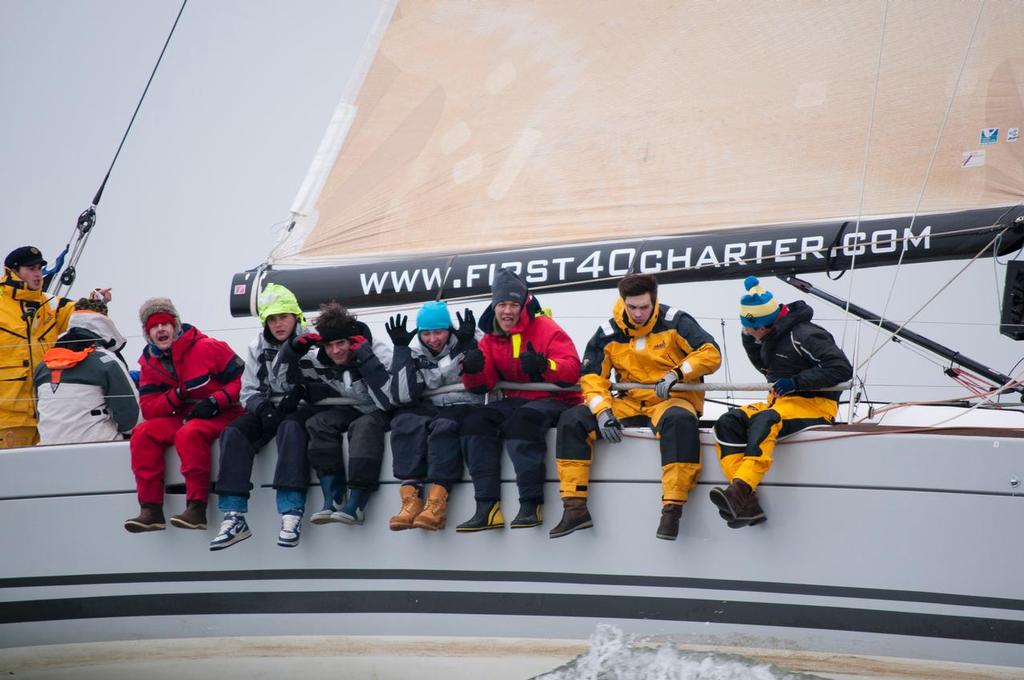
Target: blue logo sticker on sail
[(989, 135), (1012, 134)]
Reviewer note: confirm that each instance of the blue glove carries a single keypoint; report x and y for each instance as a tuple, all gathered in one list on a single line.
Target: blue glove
[(610, 427), (784, 386)]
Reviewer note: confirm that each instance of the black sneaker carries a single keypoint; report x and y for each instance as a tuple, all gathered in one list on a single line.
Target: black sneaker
[(488, 516), (530, 515)]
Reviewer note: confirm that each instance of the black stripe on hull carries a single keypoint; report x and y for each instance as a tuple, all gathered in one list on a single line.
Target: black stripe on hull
[(518, 577), (521, 604)]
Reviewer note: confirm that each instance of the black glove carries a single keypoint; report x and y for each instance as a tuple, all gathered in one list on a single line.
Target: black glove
[(466, 332), (400, 336), (784, 386), (207, 408), (290, 402), (362, 348), (269, 416), (305, 342), (473, 362), (610, 427), (533, 363)]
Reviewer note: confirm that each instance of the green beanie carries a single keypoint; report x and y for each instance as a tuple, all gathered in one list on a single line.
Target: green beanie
[(276, 299)]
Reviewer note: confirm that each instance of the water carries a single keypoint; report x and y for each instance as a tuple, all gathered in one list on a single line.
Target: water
[(614, 655)]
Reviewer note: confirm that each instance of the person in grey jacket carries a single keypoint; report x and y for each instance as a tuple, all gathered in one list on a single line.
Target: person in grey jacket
[(425, 430), (83, 388), (353, 366), (263, 382)]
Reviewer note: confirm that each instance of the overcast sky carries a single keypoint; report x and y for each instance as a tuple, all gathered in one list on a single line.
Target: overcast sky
[(223, 142)]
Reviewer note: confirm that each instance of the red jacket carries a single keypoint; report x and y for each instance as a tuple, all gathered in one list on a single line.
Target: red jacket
[(201, 367), (501, 355)]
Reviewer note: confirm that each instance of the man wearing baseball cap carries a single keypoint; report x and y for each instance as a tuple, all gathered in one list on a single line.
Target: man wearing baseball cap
[(30, 322)]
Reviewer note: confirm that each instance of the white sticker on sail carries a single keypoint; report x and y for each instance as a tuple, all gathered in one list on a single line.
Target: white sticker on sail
[(1012, 134), (972, 159)]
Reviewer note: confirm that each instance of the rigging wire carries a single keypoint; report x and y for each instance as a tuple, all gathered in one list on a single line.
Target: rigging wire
[(924, 185), (860, 205), (87, 220)]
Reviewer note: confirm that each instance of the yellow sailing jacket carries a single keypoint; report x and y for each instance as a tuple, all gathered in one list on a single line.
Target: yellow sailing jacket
[(669, 340), (30, 322)]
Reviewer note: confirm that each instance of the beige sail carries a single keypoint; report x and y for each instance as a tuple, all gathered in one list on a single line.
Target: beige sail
[(488, 125)]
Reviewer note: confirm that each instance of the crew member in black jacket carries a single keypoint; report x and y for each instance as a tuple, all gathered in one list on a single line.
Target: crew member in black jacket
[(799, 358)]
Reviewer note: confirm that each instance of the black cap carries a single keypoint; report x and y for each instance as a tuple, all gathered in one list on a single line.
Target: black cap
[(25, 256)]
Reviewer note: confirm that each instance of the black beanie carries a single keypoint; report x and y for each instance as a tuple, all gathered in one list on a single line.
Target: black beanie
[(508, 287)]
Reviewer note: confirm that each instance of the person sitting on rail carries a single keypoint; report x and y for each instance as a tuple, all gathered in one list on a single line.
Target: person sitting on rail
[(262, 382), (519, 345), (83, 390), (650, 343), (425, 441), (30, 322), (354, 366), (190, 385), (799, 358)]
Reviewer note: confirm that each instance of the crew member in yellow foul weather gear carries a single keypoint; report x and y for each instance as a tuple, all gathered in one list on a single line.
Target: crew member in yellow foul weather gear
[(30, 322), (644, 342), (799, 358)]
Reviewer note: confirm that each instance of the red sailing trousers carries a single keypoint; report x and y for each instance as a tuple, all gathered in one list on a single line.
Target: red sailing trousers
[(191, 439)]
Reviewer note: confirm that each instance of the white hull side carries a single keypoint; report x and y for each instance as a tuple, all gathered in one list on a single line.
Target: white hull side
[(900, 545)]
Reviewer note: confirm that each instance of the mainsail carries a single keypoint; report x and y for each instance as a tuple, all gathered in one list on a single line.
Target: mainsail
[(575, 140)]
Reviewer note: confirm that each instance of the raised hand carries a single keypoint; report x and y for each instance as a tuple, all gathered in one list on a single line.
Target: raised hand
[(466, 331), (395, 327), (305, 342)]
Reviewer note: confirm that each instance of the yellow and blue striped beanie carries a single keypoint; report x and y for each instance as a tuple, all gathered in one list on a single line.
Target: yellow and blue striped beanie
[(758, 308)]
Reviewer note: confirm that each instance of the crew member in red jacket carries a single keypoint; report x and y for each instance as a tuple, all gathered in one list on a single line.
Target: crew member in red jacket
[(188, 392), (519, 345)]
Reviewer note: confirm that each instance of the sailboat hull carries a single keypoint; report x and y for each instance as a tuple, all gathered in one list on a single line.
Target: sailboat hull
[(892, 544)]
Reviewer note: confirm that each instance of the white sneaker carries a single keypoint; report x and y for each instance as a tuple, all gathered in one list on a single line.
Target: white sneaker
[(325, 516), (291, 528), (233, 529)]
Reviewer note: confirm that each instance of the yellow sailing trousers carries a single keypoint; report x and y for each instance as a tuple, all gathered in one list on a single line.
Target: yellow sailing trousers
[(746, 436), (12, 437), (673, 420)]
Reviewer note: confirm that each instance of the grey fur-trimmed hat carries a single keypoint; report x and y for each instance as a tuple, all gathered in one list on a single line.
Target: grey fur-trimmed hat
[(158, 305)]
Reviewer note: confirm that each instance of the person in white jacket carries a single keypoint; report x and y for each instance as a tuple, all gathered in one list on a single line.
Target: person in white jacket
[(83, 388)]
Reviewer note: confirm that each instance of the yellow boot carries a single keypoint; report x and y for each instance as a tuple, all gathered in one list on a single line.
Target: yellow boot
[(412, 505), (433, 517)]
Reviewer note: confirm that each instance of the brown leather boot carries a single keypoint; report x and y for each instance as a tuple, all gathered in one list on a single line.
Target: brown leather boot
[(575, 516), (412, 505), (738, 505), (435, 514), (668, 527), (194, 516), (150, 518)]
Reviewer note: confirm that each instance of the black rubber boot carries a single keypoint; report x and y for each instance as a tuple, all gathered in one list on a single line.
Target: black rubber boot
[(574, 516), (488, 516), (530, 515)]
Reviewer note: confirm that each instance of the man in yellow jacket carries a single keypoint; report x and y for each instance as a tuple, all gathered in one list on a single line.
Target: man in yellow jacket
[(30, 322), (650, 343)]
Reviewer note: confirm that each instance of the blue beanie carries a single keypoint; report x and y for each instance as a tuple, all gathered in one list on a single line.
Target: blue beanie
[(758, 308), (433, 316)]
